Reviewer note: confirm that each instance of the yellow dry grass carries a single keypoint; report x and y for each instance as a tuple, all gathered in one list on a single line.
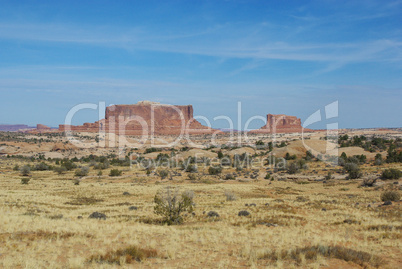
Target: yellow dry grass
[(41, 224)]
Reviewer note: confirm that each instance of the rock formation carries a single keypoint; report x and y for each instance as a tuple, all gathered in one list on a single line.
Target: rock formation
[(145, 118), (282, 124), (14, 127), (41, 127)]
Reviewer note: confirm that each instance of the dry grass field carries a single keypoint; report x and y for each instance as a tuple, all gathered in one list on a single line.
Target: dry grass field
[(292, 221), (337, 224)]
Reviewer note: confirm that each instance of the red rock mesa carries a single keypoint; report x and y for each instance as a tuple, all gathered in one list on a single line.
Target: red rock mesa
[(145, 118), (282, 124)]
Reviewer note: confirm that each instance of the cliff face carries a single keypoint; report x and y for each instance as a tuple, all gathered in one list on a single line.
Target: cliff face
[(281, 124), (145, 118)]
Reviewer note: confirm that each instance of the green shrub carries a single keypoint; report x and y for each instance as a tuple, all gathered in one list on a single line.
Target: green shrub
[(16, 167), (115, 173), (192, 176), (41, 167), (82, 172), (220, 154), (69, 165), (163, 173), (229, 177), (378, 159), (102, 166), (353, 170), (390, 196), (214, 170), (191, 168), (290, 157), (60, 170), (25, 170), (391, 174), (170, 204), (293, 168)]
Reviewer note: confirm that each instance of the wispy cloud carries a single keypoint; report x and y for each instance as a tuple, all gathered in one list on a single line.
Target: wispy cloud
[(206, 43)]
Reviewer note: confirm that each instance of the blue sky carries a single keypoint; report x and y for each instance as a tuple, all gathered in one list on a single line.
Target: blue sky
[(290, 57)]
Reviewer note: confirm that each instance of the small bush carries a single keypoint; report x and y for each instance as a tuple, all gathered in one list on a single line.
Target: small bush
[(170, 204), (60, 170), (391, 174), (229, 177), (102, 166), (42, 167), (25, 170), (16, 167), (214, 170), (353, 170), (293, 168), (390, 196), (163, 173), (191, 168), (267, 176), (369, 182), (115, 173), (82, 172), (192, 176)]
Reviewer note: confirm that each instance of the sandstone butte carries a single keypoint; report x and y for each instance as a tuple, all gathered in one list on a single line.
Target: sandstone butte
[(145, 118), (282, 124)]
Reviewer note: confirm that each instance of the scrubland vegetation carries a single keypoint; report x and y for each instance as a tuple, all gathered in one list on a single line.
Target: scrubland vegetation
[(108, 212)]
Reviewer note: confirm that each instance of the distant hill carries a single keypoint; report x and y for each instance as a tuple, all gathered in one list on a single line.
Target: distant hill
[(13, 127)]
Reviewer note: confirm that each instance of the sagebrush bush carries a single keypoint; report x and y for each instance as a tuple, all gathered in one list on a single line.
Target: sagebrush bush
[(25, 170), (391, 173), (115, 173), (353, 170), (82, 172), (60, 170), (170, 204), (390, 196), (293, 168), (214, 170), (163, 173)]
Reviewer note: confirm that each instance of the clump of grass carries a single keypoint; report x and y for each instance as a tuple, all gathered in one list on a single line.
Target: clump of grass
[(230, 196), (129, 254), (390, 196), (361, 258)]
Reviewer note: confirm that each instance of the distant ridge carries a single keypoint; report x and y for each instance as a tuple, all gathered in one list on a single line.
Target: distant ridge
[(14, 127)]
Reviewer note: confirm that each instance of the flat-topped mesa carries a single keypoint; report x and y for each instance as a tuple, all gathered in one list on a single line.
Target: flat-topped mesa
[(145, 118), (41, 127), (282, 124)]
